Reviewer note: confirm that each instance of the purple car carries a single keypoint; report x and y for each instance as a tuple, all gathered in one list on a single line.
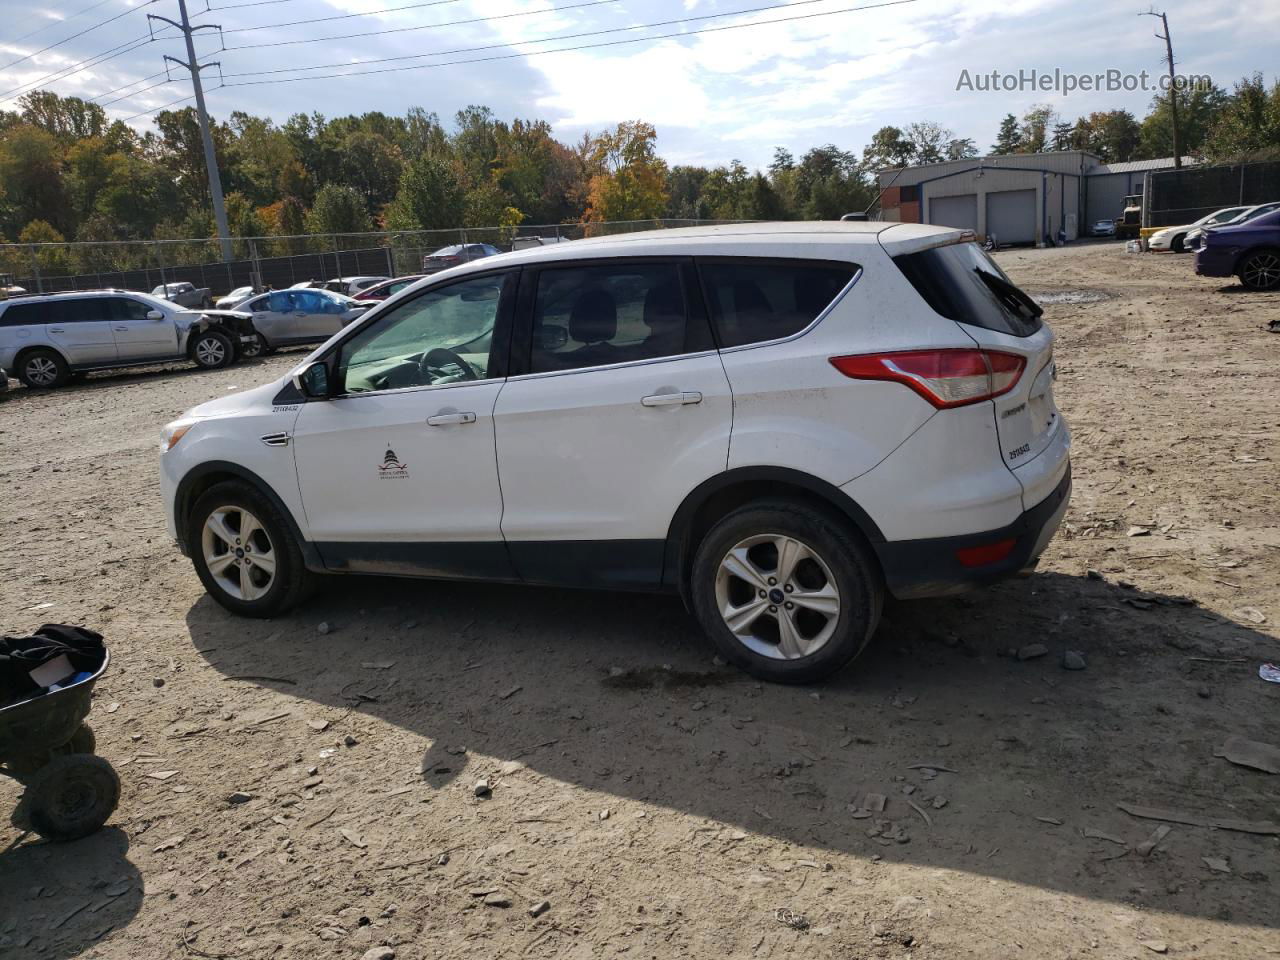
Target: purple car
[(1250, 251)]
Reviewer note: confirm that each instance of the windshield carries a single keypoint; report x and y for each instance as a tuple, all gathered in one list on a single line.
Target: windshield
[(960, 282)]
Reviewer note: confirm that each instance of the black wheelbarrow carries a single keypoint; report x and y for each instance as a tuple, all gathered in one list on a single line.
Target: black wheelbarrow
[(47, 747)]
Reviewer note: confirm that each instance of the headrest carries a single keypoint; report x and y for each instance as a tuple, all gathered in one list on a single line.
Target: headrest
[(594, 317)]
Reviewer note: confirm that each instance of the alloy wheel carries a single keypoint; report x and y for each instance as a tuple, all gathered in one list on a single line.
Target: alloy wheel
[(1262, 271), (211, 351), (238, 553), (42, 371), (778, 597)]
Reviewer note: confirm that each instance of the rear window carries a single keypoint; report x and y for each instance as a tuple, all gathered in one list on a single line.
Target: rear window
[(962, 283), (752, 301)]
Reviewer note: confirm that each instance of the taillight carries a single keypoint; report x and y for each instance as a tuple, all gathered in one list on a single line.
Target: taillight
[(986, 554), (946, 378)]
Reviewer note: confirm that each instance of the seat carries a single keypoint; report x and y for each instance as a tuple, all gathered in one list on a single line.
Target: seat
[(593, 322), (664, 316)]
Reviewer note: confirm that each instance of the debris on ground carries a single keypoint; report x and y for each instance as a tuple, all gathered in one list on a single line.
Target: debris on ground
[(1250, 753)]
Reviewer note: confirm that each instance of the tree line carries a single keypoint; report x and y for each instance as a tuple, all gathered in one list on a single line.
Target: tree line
[(68, 172)]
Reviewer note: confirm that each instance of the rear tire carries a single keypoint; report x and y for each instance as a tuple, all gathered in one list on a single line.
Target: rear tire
[(245, 552), (1260, 270), (43, 368), (786, 592), (212, 350)]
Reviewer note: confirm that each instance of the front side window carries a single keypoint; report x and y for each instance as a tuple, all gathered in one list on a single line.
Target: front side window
[(587, 316), (123, 308), (754, 301), (442, 336)]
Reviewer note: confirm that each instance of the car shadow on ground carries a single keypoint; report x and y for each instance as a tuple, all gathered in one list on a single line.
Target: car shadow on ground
[(82, 890), (1010, 760)]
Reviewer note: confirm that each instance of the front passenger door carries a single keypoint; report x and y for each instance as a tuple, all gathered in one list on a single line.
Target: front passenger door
[(138, 336), (398, 472)]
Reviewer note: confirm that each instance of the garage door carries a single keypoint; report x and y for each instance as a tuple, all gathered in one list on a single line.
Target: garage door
[(959, 211), (1011, 216)]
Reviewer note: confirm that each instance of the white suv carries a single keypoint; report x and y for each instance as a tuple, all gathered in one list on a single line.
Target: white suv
[(781, 422)]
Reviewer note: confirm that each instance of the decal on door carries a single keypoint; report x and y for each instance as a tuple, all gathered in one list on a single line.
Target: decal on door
[(391, 467)]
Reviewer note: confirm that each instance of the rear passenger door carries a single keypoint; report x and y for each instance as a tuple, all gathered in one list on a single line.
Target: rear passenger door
[(618, 407), (273, 316), (137, 336), (80, 329), (316, 316)]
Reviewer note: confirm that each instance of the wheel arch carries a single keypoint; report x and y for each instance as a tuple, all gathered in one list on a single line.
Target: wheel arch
[(726, 492), (29, 349), (205, 476)]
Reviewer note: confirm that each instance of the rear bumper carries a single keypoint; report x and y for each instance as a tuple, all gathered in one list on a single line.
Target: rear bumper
[(931, 568), (1214, 262)]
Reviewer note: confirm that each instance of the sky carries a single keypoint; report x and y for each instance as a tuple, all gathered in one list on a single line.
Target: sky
[(803, 73)]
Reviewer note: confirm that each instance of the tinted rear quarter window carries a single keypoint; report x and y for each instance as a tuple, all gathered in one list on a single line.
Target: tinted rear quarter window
[(22, 315), (960, 282), (752, 301)]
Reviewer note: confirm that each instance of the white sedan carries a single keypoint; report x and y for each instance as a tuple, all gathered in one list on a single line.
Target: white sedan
[(1174, 238)]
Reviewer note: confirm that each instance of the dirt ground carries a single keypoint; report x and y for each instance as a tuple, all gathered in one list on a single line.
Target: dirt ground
[(665, 806)]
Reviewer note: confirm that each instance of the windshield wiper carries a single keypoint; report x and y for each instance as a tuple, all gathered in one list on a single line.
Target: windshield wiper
[(1013, 298)]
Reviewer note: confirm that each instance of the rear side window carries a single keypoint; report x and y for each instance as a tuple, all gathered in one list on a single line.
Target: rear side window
[(71, 310), (752, 301), (589, 316), (962, 283), (22, 315)]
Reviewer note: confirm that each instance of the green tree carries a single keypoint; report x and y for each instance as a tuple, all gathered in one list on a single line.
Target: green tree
[(1060, 137), (889, 147), (1198, 111), (430, 197), (371, 164), (338, 209), (1009, 139), (68, 118), (52, 260), (31, 172), (1248, 126), (629, 178), (928, 141), (962, 148)]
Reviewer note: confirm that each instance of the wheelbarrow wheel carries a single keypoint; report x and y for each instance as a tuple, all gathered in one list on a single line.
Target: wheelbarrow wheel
[(70, 798)]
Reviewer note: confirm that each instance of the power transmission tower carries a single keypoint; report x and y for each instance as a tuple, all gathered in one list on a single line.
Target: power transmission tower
[(1173, 86), (210, 158)]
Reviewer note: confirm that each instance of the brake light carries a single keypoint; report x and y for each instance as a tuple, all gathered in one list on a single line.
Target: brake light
[(946, 378)]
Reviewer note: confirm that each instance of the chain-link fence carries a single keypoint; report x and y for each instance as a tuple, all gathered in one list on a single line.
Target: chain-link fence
[(1183, 196), (267, 262)]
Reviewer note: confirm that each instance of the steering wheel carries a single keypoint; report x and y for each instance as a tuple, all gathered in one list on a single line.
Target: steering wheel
[(439, 357)]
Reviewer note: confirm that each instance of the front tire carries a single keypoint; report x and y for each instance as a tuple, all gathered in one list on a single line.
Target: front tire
[(212, 350), (245, 552), (1261, 270), (786, 592), (70, 798), (41, 369), (258, 348), (1179, 244)]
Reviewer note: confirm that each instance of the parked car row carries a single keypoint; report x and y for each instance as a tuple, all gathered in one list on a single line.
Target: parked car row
[(1241, 241)]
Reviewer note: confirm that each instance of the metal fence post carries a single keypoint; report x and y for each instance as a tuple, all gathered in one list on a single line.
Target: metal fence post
[(391, 264), (35, 269)]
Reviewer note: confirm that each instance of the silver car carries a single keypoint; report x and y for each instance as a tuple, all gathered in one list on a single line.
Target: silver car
[(233, 299), (285, 318), (44, 340)]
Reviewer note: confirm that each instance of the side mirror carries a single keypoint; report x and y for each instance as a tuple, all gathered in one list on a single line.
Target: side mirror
[(154, 315), (553, 336), (313, 382)]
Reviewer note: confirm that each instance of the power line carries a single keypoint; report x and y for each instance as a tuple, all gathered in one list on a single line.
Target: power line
[(136, 93), (78, 67), (58, 23), (428, 26), (497, 46), (341, 16), (586, 46), (101, 23), (171, 103), (252, 3)]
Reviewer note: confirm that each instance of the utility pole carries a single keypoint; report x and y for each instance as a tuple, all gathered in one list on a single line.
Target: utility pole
[(210, 158), (1173, 87)]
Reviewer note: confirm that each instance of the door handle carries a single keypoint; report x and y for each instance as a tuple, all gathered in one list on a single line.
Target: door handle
[(450, 419), (122, 329), (56, 330), (671, 399), (300, 313)]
